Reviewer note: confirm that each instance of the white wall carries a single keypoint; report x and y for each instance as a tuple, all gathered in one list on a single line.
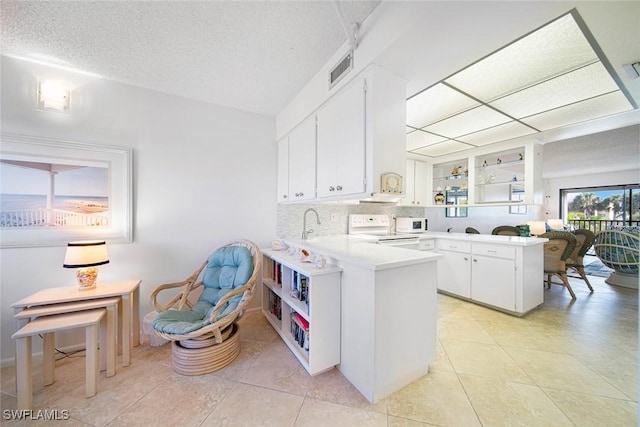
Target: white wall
[(203, 175)]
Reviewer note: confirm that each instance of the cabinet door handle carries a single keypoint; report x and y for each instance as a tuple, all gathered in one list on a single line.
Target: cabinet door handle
[(331, 188), (466, 259), (339, 188), (492, 251), (284, 196), (475, 260), (418, 202)]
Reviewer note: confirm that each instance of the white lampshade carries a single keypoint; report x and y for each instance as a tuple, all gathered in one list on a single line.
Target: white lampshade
[(536, 227), (88, 253), (555, 224)]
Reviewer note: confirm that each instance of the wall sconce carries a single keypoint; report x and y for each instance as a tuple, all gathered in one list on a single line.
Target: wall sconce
[(53, 96), (86, 256), (537, 227)]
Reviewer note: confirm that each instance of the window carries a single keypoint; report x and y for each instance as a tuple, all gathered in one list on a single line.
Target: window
[(595, 208)]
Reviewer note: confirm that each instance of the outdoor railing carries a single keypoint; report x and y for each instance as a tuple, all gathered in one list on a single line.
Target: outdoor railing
[(597, 225), (49, 217)]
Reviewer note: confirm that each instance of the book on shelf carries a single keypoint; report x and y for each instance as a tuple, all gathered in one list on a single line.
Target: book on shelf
[(300, 330), (300, 287), (275, 305)]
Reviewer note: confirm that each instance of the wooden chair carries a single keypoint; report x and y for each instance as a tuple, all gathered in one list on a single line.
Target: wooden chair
[(584, 241), (204, 334), (471, 230), (556, 251), (506, 230)]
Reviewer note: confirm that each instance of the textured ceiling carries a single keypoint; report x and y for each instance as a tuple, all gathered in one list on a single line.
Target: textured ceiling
[(250, 55)]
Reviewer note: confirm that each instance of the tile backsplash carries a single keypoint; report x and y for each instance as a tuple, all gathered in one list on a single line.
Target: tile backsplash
[(290, 220)]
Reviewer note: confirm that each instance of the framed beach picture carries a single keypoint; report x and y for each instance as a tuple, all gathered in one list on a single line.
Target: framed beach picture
[(53, 192)]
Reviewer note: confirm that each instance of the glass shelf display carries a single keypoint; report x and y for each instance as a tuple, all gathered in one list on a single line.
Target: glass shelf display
[(497, 173), (450, 182)]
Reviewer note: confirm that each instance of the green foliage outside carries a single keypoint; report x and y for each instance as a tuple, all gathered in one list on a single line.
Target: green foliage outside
[(590, 206)]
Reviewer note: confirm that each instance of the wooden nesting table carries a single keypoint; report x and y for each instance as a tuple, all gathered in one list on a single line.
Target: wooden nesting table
[(128, 309)]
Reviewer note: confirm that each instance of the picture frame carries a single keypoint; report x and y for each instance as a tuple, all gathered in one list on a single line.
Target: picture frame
[(516, 194), (92, 182)]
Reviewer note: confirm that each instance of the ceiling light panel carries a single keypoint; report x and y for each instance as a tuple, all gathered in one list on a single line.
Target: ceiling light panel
[(435, 104), (552, 50), (586, 82), (468, 122), (420, 138), (497, 133), (442, 148), (590, 109)]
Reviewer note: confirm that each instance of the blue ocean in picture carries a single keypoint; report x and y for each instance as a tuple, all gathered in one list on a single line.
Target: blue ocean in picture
[(26, 210), (81, 204)]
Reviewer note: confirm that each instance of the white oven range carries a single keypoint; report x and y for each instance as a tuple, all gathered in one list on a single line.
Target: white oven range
[(378, 226)]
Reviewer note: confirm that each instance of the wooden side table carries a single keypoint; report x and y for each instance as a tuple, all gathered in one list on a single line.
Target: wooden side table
[(128, 310), (48, 326)]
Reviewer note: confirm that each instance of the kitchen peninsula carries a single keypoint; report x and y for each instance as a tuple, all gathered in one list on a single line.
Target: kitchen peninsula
[(387, 300), (386, 333)]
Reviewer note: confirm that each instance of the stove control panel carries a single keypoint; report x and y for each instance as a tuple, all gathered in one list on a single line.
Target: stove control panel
[(368, 224)]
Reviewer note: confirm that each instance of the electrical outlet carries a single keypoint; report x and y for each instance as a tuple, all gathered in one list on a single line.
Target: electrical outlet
[(335, 217)]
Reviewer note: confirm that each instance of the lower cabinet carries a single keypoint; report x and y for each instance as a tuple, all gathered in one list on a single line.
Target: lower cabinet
[(454, 268), (494, 281), (492, 274), (302, 303)]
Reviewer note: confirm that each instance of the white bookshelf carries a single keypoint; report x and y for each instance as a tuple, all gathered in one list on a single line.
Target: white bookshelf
[(296, 291)]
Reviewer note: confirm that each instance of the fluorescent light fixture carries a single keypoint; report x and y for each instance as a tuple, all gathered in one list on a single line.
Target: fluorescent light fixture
[(550, 78), (418, 139), (53, 96), (442, 148)]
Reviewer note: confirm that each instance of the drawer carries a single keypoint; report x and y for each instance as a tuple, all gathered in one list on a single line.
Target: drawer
[(426, 245), (498, 251), (453, 245)]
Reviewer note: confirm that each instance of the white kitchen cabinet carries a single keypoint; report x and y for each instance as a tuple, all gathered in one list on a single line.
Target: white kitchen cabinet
[(302, 304), (361, 137), (454, 268), (341, 143), (500, 275), (494, 276), (302, 161), (283, 170), (416, 184)]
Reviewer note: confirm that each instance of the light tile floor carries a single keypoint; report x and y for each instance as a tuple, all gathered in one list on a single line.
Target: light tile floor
[(568, 363)]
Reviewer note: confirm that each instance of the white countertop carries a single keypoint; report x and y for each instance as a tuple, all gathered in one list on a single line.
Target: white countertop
[(484, 238), (364, 252)]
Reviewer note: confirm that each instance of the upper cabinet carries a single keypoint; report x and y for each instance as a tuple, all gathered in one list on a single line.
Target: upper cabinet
[(283, 170), (416, 184), (359, 140), (499, 174), (297, 163), (342, 143)]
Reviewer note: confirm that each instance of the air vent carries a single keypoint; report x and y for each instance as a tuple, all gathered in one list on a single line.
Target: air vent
[(342, 69)]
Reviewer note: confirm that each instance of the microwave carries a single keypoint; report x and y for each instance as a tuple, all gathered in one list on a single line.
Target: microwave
[(411, 225)]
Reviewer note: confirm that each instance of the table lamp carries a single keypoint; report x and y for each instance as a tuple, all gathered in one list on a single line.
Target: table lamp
[(556, 224), (537, 227), (86, 256)]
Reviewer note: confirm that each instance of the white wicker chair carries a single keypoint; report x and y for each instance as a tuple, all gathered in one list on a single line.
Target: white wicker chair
[(619, 249)]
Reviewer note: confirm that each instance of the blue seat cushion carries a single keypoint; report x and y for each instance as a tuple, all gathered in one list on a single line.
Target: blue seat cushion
[(228, 268)]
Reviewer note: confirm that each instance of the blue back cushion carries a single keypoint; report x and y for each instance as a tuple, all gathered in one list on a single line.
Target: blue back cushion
[(228, 268)]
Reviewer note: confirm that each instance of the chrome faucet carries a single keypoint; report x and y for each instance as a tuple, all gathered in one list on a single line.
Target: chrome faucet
[(305, 232)]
